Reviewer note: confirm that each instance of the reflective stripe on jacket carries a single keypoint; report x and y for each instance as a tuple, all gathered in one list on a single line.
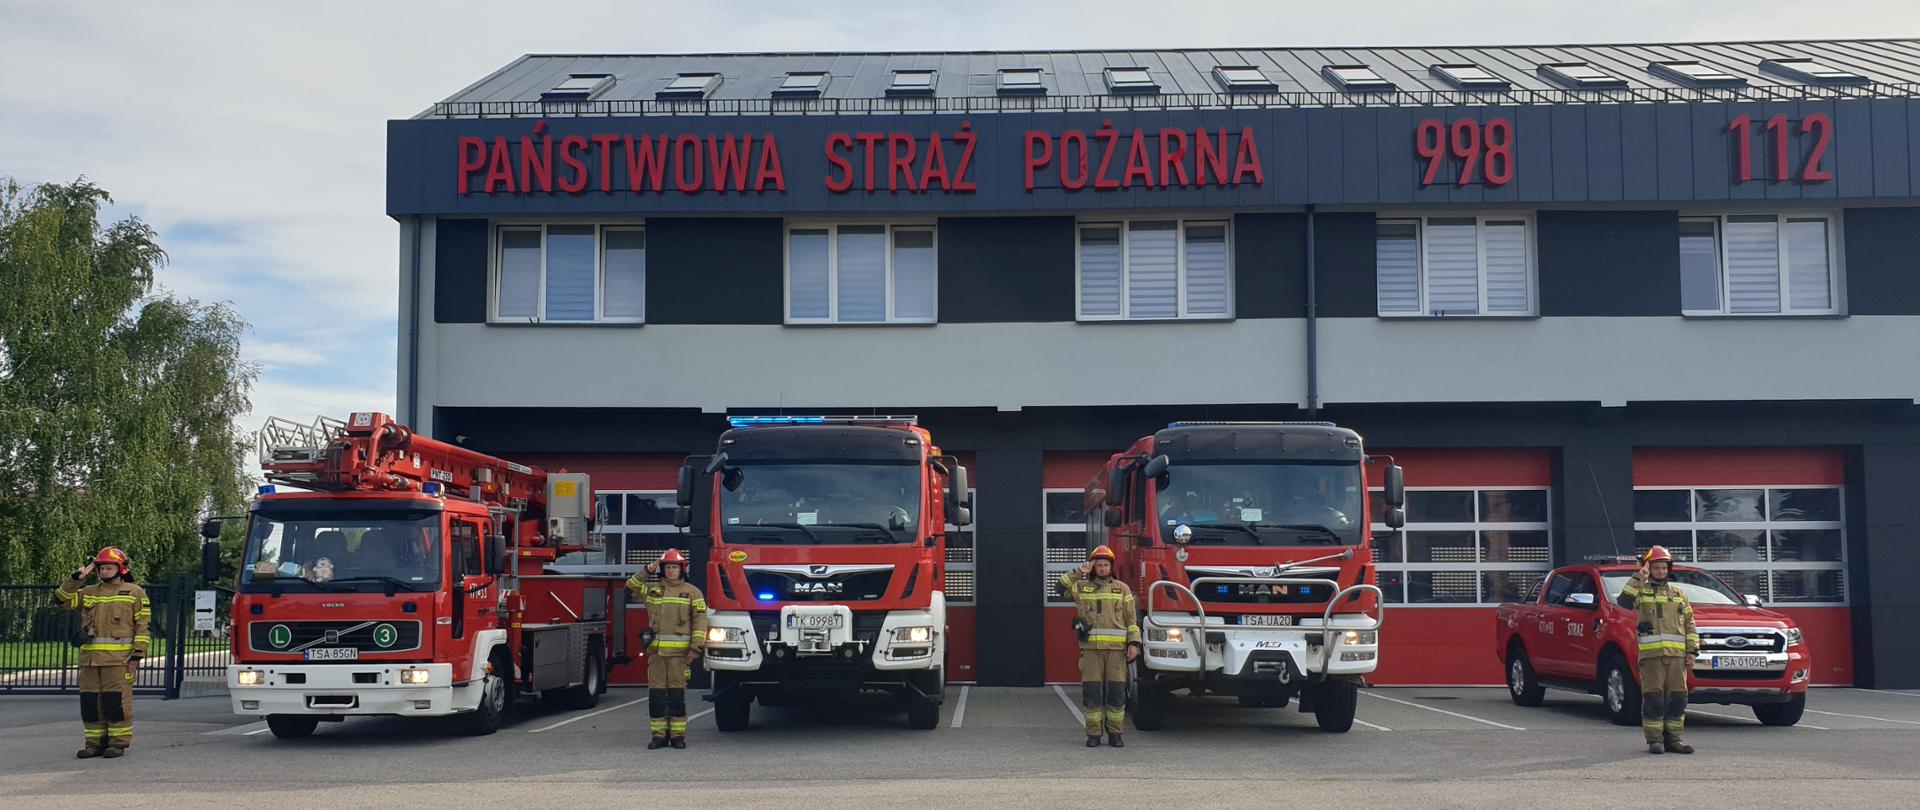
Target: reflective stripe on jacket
[(676, 612), (116, 614), (1108, 609), (1665, 618)]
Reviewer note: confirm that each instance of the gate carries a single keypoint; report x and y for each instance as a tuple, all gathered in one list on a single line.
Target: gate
[(38, 658)]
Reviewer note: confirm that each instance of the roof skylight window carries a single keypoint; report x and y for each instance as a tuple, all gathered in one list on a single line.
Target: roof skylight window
[(912, 83), (689, 86), (1470, 77), (579, 87), (802, 84), (1244, 79), (1131, 80), (1811, 71), (1579, 76), (1696, 74), (1022, 82), (1352, 78)]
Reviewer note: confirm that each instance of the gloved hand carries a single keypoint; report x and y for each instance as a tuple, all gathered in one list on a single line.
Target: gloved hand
[(1080, 628), (1646, 627)]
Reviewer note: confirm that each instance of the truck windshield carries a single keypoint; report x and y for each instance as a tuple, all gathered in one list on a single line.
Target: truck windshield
[(1700, 587), (1262, 503), (820, 503), (340, 552)]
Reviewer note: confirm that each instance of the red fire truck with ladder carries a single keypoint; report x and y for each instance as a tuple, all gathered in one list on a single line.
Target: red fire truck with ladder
[(1247, 546), (408, 580), (826, 552)]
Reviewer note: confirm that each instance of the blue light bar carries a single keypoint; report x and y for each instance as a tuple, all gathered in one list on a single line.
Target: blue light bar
[(765, 597), (430, 487), (769, 421), (267, 489)]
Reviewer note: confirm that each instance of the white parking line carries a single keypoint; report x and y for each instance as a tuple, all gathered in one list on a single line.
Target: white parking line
[(1077, 716), (1751, 720), (960, 709), (1442, 711), (1370, 725), (577, 718), (261, 731), (700, 715), (1885, 692), (249, 728), (1866, 717)]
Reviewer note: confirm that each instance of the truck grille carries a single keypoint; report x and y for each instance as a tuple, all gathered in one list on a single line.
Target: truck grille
[(1259, 594), (366, 636), (866, 625), (862, 587), (1742, 641)]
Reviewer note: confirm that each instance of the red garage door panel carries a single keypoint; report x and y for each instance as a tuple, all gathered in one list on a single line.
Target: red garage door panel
[(1829, 639), (1063, 650), (961, 650), (1437, 646), (649, 471)]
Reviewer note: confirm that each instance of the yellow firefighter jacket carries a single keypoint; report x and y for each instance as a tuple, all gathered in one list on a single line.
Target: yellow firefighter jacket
[(116, 615), (676, 612), (1666, 618), (1107, 608)]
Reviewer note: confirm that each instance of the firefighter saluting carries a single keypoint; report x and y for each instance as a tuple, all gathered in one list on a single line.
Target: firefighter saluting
[(1109, 638), (115, 614), (1668, 644), (675, 636)]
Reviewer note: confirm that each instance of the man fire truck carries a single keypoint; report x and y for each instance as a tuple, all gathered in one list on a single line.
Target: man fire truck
[(407, 581), (1247, 546), (826, 553)]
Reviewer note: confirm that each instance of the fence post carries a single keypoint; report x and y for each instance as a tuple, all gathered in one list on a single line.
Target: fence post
[(179, 608)]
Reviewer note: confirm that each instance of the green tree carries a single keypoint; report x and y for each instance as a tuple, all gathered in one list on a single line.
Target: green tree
[(117, 405)]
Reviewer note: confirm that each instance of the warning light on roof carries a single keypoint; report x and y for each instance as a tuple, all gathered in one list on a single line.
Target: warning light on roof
[(766, 421), (430, 487), (267, 489), (765, 597)]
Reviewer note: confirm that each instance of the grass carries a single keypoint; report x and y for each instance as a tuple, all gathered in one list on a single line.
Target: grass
[(18, 655)]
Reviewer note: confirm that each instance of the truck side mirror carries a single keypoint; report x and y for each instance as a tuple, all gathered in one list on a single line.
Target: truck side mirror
[(1395, 517), (959, 502), (497, 553), (1396, 486), (962, 516), (1751, 600), (1114, 518), (210, 530), (683, 491), (1157, 467), (210, 557), (1116, 488), (682, 517)]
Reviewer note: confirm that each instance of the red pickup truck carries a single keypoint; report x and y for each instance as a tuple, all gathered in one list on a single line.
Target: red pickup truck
[(1573, 634)]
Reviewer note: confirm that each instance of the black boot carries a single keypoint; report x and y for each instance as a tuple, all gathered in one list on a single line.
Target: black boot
[(86, 753), (112, 753), (678, 742), (1113, 739), (1093, 741), (1656, 748), (1675, 746), (656, 743)]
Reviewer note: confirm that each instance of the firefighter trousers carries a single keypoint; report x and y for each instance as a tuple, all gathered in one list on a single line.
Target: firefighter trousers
[(106, 705), (667, 694), (1103, 690), (1663, 698)]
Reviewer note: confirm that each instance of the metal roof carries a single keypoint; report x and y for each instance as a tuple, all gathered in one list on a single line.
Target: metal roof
[(969, 81)]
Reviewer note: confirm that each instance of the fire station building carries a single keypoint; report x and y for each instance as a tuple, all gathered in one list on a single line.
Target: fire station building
[(1591, 298)]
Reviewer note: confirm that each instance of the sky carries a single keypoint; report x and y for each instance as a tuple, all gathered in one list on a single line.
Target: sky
[(251, 134)]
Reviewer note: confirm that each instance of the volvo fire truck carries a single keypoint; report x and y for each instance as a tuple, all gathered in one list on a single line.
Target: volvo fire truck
[(1247, 546), (825, 540), (405, 577)]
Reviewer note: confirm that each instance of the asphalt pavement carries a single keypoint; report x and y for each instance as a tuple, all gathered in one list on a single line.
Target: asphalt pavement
[(995, 747)]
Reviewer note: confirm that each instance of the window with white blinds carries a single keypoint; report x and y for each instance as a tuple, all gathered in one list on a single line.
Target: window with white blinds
[(1437, 266), (861, 274), (1758, 264), (570, 274), (1155, 269)]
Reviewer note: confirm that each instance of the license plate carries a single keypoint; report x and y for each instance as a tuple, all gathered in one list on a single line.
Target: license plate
[(1266, 621), (1739, 662), (334, 654), (815, 621)]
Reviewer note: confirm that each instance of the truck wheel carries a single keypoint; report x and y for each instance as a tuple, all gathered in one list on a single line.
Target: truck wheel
[(730, 713), (587, 694), (1522, 686), (496, 694), (1620, 692), (292, 726), (923, 712), (1782, 714), (1150, 701), (1334, 706)]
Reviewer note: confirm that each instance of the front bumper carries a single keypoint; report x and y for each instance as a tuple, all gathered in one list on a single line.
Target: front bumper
[(1264, 653), (348, 689), (780, 642), (1784, 675)]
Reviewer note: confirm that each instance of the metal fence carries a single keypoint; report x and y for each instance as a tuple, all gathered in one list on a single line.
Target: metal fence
[(37, 656)]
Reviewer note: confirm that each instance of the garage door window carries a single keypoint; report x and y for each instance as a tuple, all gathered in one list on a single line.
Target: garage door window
[(1786, 545), (1464, 546)]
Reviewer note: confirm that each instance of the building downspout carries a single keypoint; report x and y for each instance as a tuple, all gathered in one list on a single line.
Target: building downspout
[(413, 328), (1313, 323)]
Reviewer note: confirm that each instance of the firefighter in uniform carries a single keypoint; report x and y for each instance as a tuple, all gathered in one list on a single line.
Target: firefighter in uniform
[(1668, 644), (676, 635), (1109, 638), (115, 613)]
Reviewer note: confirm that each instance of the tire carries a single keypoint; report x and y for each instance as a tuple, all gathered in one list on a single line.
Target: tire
[(923, 712), (292, 726), (1619, 692), (1335, 704), (1522, 685), (593, 682), (1149, 701), (1782, 714), (731, 711), (496, 696)]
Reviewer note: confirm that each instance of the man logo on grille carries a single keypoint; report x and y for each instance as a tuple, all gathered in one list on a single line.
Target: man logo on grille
[(817, 570), (280, 635), (385, 635)]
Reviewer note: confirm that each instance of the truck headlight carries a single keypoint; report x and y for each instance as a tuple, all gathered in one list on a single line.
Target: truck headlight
[(413, 675), (1794, 637), (250, 677), (724, 635), (1362, 637), (1165, 634), (917, 635)]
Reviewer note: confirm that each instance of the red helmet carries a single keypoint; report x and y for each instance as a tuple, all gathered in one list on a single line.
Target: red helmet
[(111, 555), (1101, 553), (1657, 554), (673, 556)]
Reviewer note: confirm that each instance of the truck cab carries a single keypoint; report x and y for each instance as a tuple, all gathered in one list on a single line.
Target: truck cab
[(1573, 634), (1247, 547), (825, 555)]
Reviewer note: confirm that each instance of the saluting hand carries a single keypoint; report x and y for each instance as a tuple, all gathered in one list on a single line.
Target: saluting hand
[(653, 568), (84, 571), (1086, 568)]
